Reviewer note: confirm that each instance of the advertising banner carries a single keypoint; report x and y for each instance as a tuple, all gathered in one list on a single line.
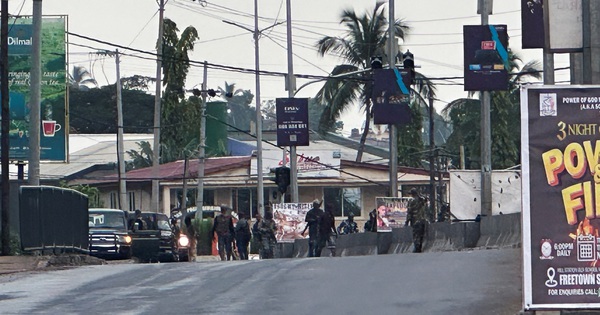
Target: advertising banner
[(565, 25), (560, 139), (292, 121), (310, 163), (532, 24), (53, 128), (391, 212), (289, 218), (391, 96), (486, 57)]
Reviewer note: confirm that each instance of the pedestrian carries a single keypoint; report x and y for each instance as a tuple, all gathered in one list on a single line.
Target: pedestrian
[(348, 226), (326, 233), (371, 224), (416, 218), (312, 221), (256, 238), (242, 236), (223, 226), (267, 229), (139, 223), (190, 232)]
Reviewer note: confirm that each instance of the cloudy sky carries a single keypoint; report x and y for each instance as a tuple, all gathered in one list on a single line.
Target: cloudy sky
[(435, 38)]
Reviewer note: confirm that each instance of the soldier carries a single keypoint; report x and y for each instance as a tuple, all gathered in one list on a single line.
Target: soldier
[(242, 236), (348, 226), (223, 226), (416, 217), (312, 220), (267, 228), (327, 233)]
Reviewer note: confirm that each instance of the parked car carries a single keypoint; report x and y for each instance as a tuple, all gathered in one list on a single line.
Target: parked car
[(156, 242), (108, 234)]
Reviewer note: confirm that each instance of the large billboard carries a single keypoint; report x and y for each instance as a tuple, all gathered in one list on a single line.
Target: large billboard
[(53, 125), (560, 137), (486, 63)]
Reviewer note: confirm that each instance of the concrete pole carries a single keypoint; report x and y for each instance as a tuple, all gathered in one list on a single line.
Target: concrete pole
[(291, 89), (432, 192), (120, 145), (4, 143), (486, 137), (201, 149), (157, 109), (36, 96), (548, 58), (260, 191), (392, 128)]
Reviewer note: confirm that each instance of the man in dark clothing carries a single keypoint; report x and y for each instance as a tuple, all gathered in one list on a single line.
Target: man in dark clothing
[(223, 226), (242, 236), (139, 223), (416, 218), (327, 233), (267, 228), (371, 224), (312, 224), (348, 226)]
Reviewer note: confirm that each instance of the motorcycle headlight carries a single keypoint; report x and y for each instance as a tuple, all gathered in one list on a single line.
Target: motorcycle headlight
[(184, 241)]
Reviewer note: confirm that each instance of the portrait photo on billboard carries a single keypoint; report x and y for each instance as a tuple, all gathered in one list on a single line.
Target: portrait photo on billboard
[(561, 196), (486, 61)]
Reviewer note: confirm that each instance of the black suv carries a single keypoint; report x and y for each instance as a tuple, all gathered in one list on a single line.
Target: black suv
[(156, 242), (108, 233)]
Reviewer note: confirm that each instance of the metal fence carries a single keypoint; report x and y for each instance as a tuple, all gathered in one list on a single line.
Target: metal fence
[(53, 219)]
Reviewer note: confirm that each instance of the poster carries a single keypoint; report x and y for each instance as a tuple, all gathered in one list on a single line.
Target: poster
[(289, 218), (560, 137), (391, 96), (532, 24), (292, 121), (486, 63), (391, 212), (53, 128)]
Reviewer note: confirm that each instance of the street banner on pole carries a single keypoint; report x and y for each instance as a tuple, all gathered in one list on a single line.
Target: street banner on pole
[(486, 57), (292, 121), (560, 140), (289, 218), (391, 96), (391, 212), (532, 24)]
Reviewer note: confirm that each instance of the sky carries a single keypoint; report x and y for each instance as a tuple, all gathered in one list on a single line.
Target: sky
[(131, 26)]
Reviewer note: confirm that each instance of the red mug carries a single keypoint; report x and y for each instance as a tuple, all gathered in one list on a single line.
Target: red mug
[(50, 127)]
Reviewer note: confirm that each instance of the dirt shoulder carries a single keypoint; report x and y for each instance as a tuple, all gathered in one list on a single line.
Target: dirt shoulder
[(24, 263)]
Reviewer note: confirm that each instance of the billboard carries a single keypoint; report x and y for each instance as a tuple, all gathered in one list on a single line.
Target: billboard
[(292, 121), (53, 125), (486, 63), (310, 163), (289, 218), (560, 137), (391, 96), (391, 212), (565, 25), (532, 24)]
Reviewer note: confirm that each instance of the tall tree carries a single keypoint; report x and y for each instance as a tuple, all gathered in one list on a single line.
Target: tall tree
[(81, 79), (465, 116), (240, 114)]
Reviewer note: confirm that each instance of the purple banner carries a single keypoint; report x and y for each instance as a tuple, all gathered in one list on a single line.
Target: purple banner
[(292, 121), (391, 96), (486, 57), (532, 24)]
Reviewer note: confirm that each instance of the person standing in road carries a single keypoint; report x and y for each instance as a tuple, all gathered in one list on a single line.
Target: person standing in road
[(223, 226), (416, 218), (242, 236), (327, 233), (348, 226), (267, 229), (190, 232), (312, 224)]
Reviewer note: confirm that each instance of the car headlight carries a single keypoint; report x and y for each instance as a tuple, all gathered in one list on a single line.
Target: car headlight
[(125, 239), (184, 241)]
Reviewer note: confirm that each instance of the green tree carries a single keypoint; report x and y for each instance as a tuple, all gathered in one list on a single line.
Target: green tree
[(141, 158), (81, 79), (92, 192), (240, 114), (465, 115), (366, 37), (410, 141)]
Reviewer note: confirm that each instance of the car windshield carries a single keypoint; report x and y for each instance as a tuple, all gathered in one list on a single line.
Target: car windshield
[(106, 220)]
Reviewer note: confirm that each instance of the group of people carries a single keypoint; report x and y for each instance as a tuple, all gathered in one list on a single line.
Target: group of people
[(232, 237)]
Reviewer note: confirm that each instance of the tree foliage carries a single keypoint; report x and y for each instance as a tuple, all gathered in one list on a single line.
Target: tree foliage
[(93, 194)]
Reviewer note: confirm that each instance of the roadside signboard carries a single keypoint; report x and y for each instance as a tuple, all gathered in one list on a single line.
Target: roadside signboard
[(486, 61), (289, 218), (391, 212), (391, 96), (560, 137), (292, 121)]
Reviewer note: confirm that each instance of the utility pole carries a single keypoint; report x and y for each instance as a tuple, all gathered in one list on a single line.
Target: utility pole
[(432, 189), (120, 145), (201, 149), (291, 89), (486, 135), (392, 127), (36, 95), (5, 124), (260, 191), (157, 109)]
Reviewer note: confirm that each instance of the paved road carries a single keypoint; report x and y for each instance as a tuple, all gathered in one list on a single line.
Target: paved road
[(469, 282)]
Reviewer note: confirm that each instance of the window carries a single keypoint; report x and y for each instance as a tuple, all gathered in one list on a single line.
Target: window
[(131, 201), (343, 200), (114, 200)]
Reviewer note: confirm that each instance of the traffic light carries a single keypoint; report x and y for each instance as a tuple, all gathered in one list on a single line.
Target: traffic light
[(282, 178), (408, 62)]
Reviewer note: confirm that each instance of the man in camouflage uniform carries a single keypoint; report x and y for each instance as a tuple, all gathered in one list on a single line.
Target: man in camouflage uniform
[(416, 218), (267, 228)]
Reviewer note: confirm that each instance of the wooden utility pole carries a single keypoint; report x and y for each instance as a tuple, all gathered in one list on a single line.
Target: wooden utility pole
[(120, 144), (5, 128)]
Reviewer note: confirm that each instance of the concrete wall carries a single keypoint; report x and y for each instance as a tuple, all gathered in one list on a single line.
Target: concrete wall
[(496, 231)]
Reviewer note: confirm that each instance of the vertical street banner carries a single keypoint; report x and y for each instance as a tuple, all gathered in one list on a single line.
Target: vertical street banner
[(289, 218), (292, 121), (391, 96), (53, 129), (560, 138), (391, 212), (486, 57), (532, 24)]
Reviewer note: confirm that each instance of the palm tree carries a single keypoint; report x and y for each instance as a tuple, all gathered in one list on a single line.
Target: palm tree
[(82, 79), (366, 37), (465, 116)]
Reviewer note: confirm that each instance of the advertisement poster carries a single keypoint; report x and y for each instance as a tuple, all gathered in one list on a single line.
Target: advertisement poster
[(391, 96), (391, 212), (532, 24), (53, 135), (560, 137), (486, 57), (289, 218), (292, 121)]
